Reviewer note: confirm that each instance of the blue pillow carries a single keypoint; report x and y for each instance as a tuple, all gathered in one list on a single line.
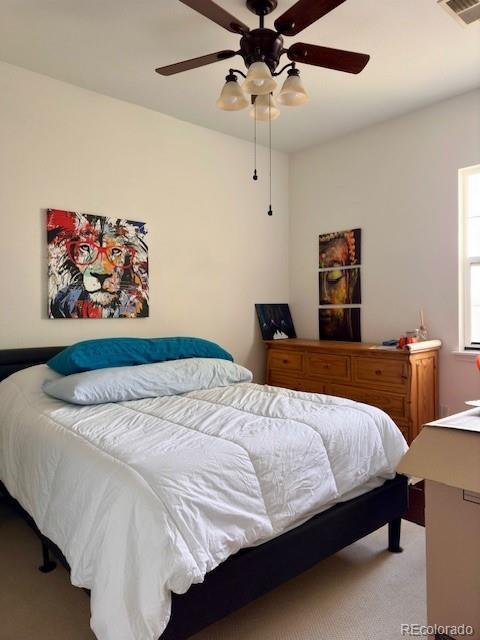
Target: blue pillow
[(125, 352)]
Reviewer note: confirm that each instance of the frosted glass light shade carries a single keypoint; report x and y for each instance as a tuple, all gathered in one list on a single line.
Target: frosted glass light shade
[(232, 97), (259, 110), (293, 92), (259, 80)]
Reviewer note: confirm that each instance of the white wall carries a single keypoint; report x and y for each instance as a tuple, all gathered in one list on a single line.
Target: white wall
[(398, 182), (213, 250)]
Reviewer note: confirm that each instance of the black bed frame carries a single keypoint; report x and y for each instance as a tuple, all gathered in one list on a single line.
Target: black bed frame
[(254, 571)]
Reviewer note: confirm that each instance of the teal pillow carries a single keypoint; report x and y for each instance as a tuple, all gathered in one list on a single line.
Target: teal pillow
[(125, 352)]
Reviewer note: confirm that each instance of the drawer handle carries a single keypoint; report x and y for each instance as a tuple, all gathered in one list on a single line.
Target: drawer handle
[(378, 372), (285, 361), (326, 366)]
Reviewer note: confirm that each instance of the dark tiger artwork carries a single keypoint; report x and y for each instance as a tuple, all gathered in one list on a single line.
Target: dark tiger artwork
[(97, 266)]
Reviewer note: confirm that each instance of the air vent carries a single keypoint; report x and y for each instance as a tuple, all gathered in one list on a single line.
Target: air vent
[(464, 11)]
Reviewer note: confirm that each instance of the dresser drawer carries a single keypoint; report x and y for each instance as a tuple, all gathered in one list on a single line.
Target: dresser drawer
[(380, 371), (313, 386), (286, 360), (280, 379), (328, 367), (394, 405)]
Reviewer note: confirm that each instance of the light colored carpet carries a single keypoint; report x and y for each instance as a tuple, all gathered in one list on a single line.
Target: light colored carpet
[(363, 592)]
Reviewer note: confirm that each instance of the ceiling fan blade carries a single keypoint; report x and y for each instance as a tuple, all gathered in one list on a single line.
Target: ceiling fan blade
[(330, 58), (186, 65), (303, 14), (212, 11)]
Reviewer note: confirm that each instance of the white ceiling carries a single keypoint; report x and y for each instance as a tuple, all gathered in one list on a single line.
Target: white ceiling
[(419, 55)]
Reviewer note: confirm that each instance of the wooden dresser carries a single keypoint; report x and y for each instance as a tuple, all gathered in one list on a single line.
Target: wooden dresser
[(403, 384)]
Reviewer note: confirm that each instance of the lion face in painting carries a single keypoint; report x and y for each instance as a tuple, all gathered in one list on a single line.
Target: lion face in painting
[(98, 266), (101, 267)]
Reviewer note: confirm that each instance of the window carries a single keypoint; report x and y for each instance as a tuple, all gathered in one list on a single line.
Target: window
[(469, 187)]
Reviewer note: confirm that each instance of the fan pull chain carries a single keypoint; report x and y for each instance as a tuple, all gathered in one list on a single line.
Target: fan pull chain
[(270, 212), (255, 176)]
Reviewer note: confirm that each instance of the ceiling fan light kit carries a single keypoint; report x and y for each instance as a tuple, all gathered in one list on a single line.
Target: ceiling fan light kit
[(264, 108), (262, 49), (232, 98), (293, 93), (259, 80)]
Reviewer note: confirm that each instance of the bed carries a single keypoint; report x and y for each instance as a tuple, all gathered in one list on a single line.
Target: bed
[(100, 509)]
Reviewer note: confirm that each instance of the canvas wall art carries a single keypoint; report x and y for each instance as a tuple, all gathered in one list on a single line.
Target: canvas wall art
[(275, 321), (339, 323), (340, 249), (97, 266), (339, 285)]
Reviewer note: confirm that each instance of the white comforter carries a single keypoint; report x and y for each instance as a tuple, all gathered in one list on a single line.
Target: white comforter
[(145, 497)]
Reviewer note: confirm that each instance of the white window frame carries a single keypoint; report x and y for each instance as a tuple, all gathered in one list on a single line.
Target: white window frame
[(465, 338)]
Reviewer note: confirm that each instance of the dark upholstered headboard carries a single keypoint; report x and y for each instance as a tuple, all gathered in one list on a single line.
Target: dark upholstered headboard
[(12, 360)]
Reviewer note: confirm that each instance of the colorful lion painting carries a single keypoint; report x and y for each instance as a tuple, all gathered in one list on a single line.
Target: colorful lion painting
[(97, 266)]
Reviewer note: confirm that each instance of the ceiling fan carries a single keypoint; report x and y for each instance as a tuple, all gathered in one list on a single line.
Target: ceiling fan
[(266, 45), (261, 50)]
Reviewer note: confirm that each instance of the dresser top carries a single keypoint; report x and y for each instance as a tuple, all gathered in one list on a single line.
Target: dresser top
[(334, 346)]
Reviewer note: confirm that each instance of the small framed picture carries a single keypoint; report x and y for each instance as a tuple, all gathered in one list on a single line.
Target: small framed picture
[(275, 321)]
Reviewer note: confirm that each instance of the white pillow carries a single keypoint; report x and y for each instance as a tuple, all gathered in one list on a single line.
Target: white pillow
[(146, 380)]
